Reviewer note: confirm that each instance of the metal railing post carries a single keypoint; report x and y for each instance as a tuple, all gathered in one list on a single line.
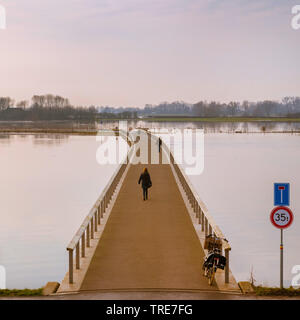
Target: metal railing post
[(99, 213), (95, 219), (77, 256), (88, 236), (202, 222), (197, 210), (83, 245), (92, 228), (102, 208), (227, 265), (205, 227), (70, 266)]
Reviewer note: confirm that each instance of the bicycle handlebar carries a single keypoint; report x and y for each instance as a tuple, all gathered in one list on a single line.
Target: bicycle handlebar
[(214, 236)]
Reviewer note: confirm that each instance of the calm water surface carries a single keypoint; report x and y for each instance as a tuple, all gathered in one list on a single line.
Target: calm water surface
[(237, 187), (208, 127), (49, 183)]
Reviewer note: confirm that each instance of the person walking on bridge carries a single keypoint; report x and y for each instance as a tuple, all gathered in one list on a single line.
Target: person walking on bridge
[(146, 183), (159, 144)]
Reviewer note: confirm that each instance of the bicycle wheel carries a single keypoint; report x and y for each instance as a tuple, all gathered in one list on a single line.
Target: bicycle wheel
[(204, 269), (211, 275)]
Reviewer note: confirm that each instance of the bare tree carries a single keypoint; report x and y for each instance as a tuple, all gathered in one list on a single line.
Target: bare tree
[(22, 104), (5, 103)]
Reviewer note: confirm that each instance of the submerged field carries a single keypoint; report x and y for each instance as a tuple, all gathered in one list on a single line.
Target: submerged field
[(56, 180)]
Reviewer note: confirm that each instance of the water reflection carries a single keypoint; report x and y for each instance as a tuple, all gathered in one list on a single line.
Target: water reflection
[(48, 185), (207, 126), (4, 138), (23, 136), (237, 187), (50, 139), (215, 127), (45, 196)]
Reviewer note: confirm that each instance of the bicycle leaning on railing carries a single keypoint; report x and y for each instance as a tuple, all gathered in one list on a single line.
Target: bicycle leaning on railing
[(214, 258)]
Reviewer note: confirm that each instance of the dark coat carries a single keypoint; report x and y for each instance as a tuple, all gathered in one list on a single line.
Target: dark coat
[(146, 180)]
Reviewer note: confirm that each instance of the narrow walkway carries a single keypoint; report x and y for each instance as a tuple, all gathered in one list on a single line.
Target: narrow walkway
[(148, 244)]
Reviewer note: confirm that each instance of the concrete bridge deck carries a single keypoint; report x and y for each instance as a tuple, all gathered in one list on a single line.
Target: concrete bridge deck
[(147, 245)]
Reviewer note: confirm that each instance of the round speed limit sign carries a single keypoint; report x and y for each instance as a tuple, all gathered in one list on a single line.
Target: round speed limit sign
[(281, 217)]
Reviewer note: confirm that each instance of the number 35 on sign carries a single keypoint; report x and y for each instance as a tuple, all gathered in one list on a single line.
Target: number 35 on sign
[(281, 217)]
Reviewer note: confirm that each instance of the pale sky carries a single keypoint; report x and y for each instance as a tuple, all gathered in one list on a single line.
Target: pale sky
[(133, 52)]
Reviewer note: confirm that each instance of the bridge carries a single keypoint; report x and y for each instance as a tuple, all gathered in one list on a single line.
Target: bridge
[(126, 243)]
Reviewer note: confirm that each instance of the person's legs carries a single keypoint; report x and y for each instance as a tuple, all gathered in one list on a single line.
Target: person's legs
[(144, 193)]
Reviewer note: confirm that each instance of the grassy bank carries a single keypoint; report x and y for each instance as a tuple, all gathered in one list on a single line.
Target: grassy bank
[(21, 293), (266, 291)]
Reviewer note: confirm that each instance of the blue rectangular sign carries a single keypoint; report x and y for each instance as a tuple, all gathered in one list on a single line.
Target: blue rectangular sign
[(281, 194)]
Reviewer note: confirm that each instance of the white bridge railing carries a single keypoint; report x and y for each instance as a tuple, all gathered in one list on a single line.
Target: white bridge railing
[(82, 238), (85, 233), (208, 225)]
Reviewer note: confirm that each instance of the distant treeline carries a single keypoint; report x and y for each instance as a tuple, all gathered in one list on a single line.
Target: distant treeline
[(45, 107), (289, 106), (53, 107)]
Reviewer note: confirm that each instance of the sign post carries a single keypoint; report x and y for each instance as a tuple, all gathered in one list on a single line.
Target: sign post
[(281, 258), (281, 217)]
